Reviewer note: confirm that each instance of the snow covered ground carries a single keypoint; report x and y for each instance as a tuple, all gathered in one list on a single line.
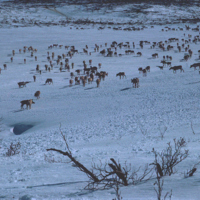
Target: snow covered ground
[(115, 120)]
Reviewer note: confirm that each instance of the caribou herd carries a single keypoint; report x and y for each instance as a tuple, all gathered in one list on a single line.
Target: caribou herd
[(87, 73)]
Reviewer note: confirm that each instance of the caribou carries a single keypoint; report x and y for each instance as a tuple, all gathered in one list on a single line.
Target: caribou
[(135, 82), (121, 74), (177, 68)]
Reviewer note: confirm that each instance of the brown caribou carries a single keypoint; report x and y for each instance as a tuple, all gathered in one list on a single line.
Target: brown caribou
[(49, 81), (22, 84), (177, 68), (28, 103), (135, 82), (37, 94), (121, 74), (98, 82)]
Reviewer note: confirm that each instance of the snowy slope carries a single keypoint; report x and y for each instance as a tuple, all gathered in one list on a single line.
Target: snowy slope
[(99, 123)]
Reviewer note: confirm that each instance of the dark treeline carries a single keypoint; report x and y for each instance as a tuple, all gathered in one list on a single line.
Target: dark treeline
[(163, 2), (105, 3)]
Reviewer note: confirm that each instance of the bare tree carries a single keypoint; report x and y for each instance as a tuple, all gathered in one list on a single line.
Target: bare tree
[(170, 157)]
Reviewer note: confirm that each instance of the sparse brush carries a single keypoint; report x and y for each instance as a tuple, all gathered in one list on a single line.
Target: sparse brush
[(14, 149), (143, 131), (170, 157), (108, 175), (117, 191), (162, 132), (159, 190)]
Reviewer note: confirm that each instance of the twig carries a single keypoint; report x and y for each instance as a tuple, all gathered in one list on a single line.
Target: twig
[(162, 133), (192, 128), (64, 138)]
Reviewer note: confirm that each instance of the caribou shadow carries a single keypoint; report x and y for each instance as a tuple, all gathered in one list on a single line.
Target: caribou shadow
[(126, 89), (193, 83), (20, 110), (90, 88)]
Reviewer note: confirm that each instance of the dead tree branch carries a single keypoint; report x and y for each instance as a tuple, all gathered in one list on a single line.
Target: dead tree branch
[(108, 175), (191, 171), (77, 164)]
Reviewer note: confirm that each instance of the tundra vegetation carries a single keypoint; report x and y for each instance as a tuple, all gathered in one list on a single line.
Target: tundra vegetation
[(114, 174)]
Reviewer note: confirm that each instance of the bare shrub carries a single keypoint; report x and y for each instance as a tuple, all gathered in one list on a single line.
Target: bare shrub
[(162, 132), (108, 175), (117, 192), (159, 189), (14, 149), (170, 157), (112, 174), (143, 130)]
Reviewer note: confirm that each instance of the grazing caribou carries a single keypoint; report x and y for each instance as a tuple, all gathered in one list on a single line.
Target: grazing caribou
[(49, 81), (148, 68), (77, 81), (99, 65), (37, 94), (71, 82), (155, 55), (121, 74), (28, 103), (144, 71), (139, 54), (140, 69), (186, 57), (90, 80), (135, 82), (78, 71), (72, 74), (195, 65), (22, 84), (177, 68), (83, 81), (161, 67), (98, 82)]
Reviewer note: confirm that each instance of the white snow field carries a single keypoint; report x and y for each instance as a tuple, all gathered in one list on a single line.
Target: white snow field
[(114, 120)]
